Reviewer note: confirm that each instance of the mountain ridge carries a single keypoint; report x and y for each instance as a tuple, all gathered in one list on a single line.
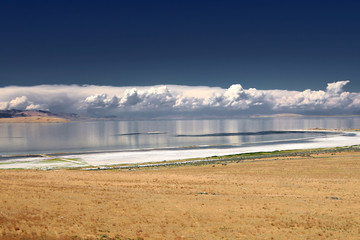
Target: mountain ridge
[(16, 115)]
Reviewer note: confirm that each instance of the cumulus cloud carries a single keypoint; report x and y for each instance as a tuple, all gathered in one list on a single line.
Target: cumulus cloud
[(152, 98), (132, 99), (334, 98), (174, 99), (336, 87), (21, 103), (101, 101)]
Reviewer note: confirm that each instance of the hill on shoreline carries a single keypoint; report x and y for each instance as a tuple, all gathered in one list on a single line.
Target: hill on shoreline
[(40, 116)]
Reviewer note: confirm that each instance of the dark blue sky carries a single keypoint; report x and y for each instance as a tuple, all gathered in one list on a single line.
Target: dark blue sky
[(291, 45)]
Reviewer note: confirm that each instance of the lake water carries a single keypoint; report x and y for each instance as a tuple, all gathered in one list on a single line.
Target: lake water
[(21, 138)]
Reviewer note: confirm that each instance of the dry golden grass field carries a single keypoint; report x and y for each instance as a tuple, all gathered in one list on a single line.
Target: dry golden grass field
[(316, 197)]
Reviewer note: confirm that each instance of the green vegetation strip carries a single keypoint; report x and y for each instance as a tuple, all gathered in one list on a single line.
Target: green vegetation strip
[(58, 160)]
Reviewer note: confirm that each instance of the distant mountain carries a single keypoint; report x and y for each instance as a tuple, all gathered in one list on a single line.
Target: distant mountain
[(30, 114), (280, 115), (13, 113)]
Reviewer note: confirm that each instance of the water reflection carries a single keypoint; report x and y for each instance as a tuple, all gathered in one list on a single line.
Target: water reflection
[(18, 138)]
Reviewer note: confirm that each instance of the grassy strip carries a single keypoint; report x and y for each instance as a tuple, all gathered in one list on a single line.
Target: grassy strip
[(230, 158), (48, 160), (57, 160)]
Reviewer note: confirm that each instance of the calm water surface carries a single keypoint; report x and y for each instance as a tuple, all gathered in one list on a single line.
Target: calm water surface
[(19, 138)]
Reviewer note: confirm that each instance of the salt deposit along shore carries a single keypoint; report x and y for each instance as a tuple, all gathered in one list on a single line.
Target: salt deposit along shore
[(158, 155)]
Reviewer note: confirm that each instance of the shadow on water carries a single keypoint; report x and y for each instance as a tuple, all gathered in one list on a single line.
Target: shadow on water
[(261, 133)]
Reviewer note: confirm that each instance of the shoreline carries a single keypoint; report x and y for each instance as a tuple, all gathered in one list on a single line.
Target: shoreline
[(34, 119), (236, 158), (137, 157)]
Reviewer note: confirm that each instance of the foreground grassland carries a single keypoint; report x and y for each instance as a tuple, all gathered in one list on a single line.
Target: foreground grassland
[(298, 197)]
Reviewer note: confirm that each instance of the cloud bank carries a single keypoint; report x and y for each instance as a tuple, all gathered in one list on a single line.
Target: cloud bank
[(177, 100)]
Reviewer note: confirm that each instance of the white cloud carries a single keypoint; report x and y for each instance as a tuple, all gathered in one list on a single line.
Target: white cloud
[(336, 87), (101, 101), (90, 99), (21, 103)]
